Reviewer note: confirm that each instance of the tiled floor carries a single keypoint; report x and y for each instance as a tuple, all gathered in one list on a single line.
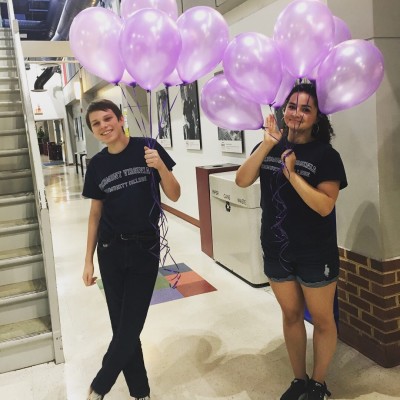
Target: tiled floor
[(223, 344)]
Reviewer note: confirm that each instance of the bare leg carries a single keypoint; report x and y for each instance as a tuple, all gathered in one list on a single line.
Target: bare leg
[(290, 298), (320, 304)]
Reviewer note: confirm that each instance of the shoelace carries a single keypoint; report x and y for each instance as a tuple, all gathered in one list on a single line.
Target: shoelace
[(318, 387)]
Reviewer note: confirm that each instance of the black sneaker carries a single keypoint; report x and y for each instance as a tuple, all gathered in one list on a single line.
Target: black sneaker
[(297, 390), (317, 391)]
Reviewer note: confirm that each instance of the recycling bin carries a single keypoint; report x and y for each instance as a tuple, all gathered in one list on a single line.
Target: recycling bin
[(203, 196), (236, 224)]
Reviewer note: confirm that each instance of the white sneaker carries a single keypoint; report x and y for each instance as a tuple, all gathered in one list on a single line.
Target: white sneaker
[(94, 396)]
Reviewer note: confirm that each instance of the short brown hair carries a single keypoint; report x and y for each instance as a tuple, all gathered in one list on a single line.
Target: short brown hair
[(102, 105)]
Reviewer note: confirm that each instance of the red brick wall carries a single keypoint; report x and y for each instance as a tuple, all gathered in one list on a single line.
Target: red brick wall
[(369, 306)]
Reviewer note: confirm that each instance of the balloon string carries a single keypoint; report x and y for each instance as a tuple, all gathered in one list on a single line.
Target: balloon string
[(150, 144), (173, 103), (280, 206), (277, 200), (273, 112), (162, 227), (276, 187), (165, 249), (140, 111), (130, 108)]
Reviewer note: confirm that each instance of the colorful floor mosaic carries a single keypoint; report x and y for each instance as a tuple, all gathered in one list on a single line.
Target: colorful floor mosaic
[(189, 284)]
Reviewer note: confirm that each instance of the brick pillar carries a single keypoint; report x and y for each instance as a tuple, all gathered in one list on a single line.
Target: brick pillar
[(369, 307)]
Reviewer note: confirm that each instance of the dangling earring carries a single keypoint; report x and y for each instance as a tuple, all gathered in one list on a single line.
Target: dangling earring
[(315, 131)]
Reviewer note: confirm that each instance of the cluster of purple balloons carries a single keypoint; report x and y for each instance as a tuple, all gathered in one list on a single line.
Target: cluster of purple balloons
[(308, 42), (149, 44)]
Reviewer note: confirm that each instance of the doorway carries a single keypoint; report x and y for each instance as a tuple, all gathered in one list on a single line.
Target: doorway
[(51, 141)]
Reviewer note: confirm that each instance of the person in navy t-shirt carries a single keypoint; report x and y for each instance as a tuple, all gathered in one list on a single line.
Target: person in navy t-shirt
[(300, 178), (123, 181)]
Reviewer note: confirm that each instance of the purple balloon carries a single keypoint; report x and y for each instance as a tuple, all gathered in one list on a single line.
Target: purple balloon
[(205, 36), (224, 107), (127, 79), (312, 76), (129, 7), (304, 33), (150, 45), (93, 37), (350, 74), (252, 66), (288, 81), (173, 80), (342, 31)]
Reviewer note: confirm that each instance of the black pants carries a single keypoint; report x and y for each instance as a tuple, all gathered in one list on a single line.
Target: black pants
[(129, 270)]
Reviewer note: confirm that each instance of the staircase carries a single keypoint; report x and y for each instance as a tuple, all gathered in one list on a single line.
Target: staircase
[(30, 330)]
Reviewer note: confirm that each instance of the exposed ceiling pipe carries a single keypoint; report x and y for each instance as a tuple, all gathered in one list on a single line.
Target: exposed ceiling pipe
[(70, 10), (56, 8), (25, 25), (43, 78)]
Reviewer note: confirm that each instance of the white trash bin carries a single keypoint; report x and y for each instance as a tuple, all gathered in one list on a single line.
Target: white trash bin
[(236, 224)]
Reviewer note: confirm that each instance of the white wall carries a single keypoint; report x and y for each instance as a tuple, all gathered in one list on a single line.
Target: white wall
[(368, 139), (52, 100)]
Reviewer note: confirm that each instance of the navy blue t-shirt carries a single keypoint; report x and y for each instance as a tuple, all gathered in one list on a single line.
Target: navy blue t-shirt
[(128, 187), (287, 221)]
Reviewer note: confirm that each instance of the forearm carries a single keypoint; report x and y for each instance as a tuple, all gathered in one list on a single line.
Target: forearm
[(169, 184), (249, 171), (317, 200), (93, 226), (91, 242)]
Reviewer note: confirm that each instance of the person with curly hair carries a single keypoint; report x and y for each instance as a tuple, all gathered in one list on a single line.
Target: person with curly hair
[(300, 178)]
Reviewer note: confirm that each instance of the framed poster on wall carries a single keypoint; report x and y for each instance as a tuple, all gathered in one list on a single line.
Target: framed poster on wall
[(81, 128), (164, 120), (78, 128), (191, 115), (231, 141)]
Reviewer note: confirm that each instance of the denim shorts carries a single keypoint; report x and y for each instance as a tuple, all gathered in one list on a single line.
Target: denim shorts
[(310, 272)]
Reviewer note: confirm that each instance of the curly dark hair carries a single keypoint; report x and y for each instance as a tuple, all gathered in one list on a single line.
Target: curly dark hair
[(102, 105), (322, 129)]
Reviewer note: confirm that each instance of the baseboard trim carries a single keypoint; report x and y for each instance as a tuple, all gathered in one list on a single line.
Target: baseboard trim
[(181, 215)]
